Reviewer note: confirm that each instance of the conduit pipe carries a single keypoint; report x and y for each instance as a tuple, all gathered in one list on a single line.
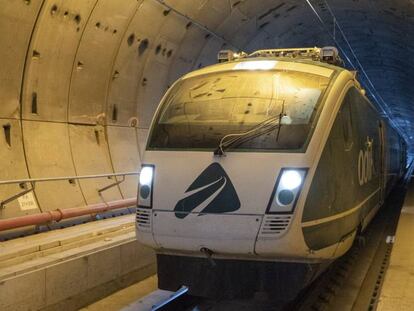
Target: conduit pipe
[(60, 214)]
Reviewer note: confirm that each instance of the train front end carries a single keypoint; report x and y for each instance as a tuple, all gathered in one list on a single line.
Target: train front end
[(225, 176)]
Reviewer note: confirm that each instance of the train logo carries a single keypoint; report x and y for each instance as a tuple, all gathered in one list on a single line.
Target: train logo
[(366, 167), (211, 192)]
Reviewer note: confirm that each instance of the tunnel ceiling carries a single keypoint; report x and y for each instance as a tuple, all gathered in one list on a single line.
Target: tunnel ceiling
[(376, 38), (81, 79), (60, 39)]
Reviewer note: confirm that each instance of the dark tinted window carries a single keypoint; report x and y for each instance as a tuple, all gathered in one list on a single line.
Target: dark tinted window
[(199, 111)]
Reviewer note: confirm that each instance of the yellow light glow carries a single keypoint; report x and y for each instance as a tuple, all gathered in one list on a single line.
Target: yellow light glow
[(256, 65)]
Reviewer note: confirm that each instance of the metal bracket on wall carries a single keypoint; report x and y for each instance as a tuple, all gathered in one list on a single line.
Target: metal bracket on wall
[(111, 185)]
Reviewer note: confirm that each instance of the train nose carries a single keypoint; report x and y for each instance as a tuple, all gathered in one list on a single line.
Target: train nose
[(209, 214), (220, 233)]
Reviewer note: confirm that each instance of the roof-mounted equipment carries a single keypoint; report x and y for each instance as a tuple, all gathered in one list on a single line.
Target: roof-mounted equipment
[(330, 55), (308, 53), (229, 55), (327, 54)]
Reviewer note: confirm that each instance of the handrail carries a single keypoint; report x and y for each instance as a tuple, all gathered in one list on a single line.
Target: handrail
[(33, 181), (27, 180)]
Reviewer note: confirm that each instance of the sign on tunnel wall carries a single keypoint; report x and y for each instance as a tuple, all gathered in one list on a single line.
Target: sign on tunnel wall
[(27, 202)]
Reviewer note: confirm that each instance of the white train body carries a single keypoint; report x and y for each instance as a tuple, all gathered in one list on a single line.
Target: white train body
[(199, 206)]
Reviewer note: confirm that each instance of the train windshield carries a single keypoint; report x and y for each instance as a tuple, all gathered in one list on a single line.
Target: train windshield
[(199, 111)]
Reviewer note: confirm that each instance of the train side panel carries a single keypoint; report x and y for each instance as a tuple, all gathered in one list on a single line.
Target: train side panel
[(346, 187), (395, 157)]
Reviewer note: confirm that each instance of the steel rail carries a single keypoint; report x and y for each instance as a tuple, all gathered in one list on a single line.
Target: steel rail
[(165, 305)]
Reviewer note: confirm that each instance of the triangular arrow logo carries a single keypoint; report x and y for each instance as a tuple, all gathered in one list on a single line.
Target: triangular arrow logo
[(213, 185)]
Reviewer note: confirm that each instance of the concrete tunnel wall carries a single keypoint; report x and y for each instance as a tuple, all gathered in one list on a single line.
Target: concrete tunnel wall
[(79, 84), (81, 79)]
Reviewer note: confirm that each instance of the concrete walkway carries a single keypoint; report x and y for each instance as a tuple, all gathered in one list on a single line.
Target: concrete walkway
[(70, 268), (398, 289)]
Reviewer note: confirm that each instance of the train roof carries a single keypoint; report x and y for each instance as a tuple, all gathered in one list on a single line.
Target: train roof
[(320, 61), (269, 63)]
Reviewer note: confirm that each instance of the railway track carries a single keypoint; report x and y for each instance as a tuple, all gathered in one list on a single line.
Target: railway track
[(354, 281), (351, 283)]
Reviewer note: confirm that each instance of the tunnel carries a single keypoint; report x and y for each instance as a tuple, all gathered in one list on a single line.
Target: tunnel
[(80, 81)]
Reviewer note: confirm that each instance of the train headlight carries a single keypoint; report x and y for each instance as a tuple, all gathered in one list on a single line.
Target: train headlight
[(146, 175), (146, 182), (290, 179), (286, 190)]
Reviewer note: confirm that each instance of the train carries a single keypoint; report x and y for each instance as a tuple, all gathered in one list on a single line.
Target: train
[(261, 170)]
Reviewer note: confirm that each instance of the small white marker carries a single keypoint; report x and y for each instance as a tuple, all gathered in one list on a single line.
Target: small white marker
[(390, 239)]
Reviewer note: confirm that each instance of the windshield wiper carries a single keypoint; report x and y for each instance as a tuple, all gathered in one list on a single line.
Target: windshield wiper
[(280, 120), (259, 129)]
